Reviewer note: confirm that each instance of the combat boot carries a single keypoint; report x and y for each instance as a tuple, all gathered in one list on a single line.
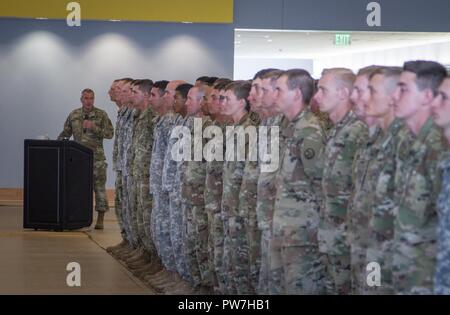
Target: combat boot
[(99, 224), (116, 247)]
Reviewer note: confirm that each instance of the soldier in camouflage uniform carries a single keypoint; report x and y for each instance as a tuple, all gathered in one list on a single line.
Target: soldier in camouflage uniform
[(359, 206), (157, 105), (379, 179), (296, 266), (89, 126), (417, 179), (261, 100), (129, 195), (161, 211), (347, 135), (235, 107), (441, 115), (142, 147), (115, 96), (213, 193), (171, 182), (193, 186), (121, 191)]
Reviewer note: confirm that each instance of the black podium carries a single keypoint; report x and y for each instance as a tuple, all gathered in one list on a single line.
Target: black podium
[(58, 185)]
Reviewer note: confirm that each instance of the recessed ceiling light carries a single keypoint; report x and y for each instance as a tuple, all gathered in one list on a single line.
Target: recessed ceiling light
[(186, 22), (115, 20), (41, 18), (269, 40)]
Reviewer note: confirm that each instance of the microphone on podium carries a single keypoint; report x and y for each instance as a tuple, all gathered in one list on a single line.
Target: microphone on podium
[(86, 117)]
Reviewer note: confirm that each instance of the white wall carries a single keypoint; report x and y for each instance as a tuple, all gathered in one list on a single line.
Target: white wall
[(245, 68), (389, 57)]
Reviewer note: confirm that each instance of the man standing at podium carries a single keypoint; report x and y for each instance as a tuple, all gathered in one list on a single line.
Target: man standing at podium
[(89, 126)]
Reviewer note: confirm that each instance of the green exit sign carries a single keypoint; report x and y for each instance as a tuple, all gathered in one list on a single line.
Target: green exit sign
[(342, 40)]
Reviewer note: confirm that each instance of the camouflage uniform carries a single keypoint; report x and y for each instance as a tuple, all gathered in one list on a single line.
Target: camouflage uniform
[(124, 152), (117, 167), (442, 278), (161, 212), (418, 183), (197, 219), (213, 201), (381, 221), (171, 184), (233, 172), (131, 179), (93, 139), (296, 266), (266, 193), (248, 237), (344, 140), (142, 146), (359, 210)]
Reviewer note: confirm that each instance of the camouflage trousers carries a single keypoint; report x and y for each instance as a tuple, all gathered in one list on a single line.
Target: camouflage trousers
[(190, 236), (176, 234), (212, 269), (413, 268), (131, 210), (264, 272), (201, 225), (338, 274), (295, 269), (161, 224), (240, 263), (358, 269), (101, 202), (143, 207), (218, 237), (381, 253), (125, 208), (229, 270), (118, 203), (254, 247)]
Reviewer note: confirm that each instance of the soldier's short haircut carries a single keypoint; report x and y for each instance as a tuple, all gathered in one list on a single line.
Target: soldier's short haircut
[(183, 89), (161, 86), (221, 83), (300, 79), (126, 80), (430, 74), (344, 76), (367, 71), (145, 85), (136, 82), (241, 89), (203, 79), (211, 81), (272, 75), (262, 72), (392, 75), (87, 91), (387, 72)]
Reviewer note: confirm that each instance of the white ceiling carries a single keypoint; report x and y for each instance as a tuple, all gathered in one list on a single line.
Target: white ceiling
[(313, 44)]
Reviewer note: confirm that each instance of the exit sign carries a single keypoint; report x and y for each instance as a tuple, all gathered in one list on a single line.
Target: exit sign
[(342, 40)]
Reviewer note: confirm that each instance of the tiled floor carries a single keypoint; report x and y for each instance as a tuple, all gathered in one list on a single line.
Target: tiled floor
[(34, 262)]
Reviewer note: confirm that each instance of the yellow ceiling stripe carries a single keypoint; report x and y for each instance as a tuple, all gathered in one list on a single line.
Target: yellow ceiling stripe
[(199, 11)]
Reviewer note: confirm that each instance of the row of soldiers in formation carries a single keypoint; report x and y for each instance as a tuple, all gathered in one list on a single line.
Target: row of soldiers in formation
[(352, 208)]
